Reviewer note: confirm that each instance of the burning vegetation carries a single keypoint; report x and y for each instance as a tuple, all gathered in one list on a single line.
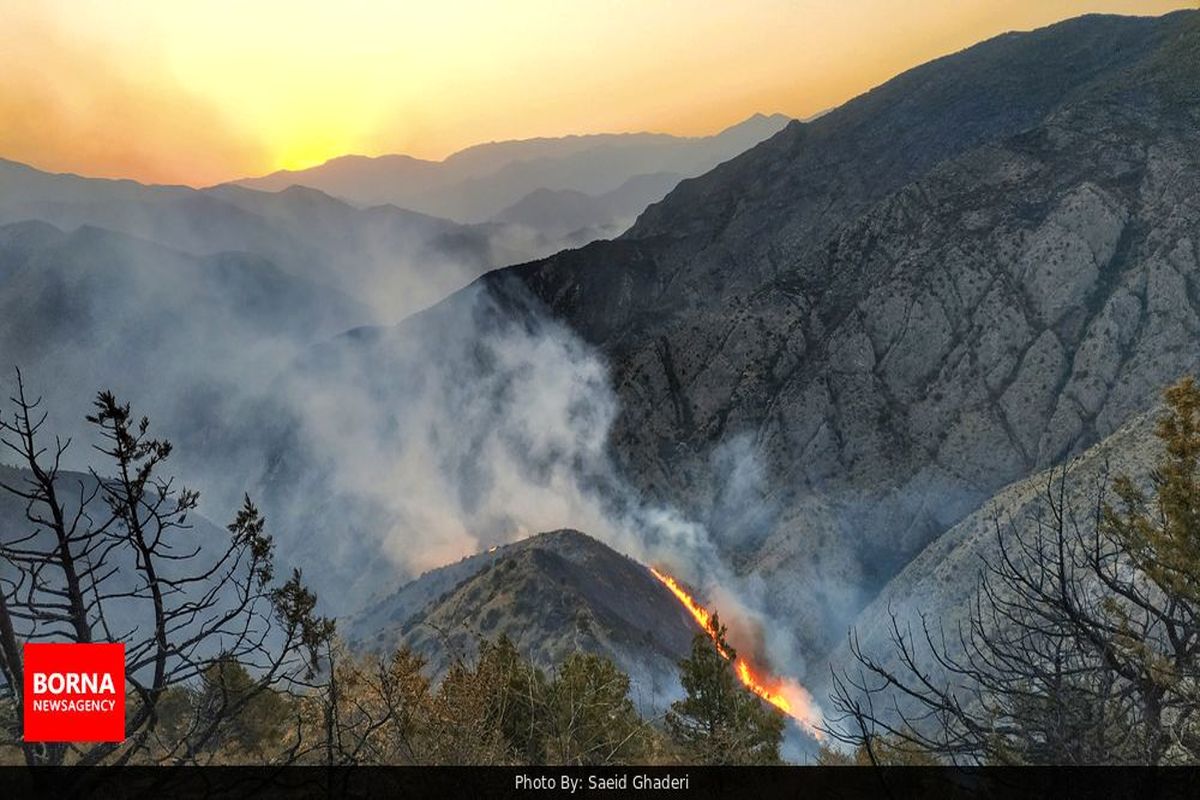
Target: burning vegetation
[(784, 693)]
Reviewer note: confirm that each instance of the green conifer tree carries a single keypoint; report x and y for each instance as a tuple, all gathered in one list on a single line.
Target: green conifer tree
[(719, 721)]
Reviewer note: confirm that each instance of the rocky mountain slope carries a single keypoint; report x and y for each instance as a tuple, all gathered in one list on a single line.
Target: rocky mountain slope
[(967, 274), (552, 594), (940, 584)]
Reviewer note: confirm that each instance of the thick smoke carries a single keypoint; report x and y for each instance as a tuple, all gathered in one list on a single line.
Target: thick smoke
[(482, 422), (466, 428), (380, 452), (450, 438)]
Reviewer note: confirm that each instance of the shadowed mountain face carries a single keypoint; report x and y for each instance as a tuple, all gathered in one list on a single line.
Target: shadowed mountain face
[(126, 602), (479, 183), (571, 215), (966, 274), (552, 594)]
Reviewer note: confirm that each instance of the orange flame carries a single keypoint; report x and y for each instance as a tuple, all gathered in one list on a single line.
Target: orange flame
[(787, 695)]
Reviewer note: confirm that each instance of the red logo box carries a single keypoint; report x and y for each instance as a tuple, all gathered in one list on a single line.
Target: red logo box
[(74, 693)]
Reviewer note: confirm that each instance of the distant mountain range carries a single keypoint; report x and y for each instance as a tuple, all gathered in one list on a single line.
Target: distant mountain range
[(385, 243), (575, 217), (517, 181), (394, 261)]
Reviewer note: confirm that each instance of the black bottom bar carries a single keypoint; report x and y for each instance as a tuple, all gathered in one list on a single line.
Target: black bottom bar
[(444, 783)]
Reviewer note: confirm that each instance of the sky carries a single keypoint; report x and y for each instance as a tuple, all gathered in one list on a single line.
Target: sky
[(201, 91)]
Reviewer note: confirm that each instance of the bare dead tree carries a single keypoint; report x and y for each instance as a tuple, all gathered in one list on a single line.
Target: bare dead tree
[(111, 556), (587, 717), (1082, 644), (372, 709)]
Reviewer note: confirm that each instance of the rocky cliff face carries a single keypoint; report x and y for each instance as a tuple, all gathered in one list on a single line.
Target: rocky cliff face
[(961, 277)]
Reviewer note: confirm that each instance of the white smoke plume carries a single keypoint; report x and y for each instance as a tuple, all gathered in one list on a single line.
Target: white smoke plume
[(378, 453)]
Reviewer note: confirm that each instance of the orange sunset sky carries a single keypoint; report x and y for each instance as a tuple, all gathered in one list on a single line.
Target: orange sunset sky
[(200, 91)]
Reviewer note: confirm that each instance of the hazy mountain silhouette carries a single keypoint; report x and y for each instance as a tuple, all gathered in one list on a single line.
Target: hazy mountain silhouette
[(584, 217), (476, 184), (395, 261)]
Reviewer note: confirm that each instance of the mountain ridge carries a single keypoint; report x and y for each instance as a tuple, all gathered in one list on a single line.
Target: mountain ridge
[(474, 184), (305, 231), (784, 297), (587, 597)]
